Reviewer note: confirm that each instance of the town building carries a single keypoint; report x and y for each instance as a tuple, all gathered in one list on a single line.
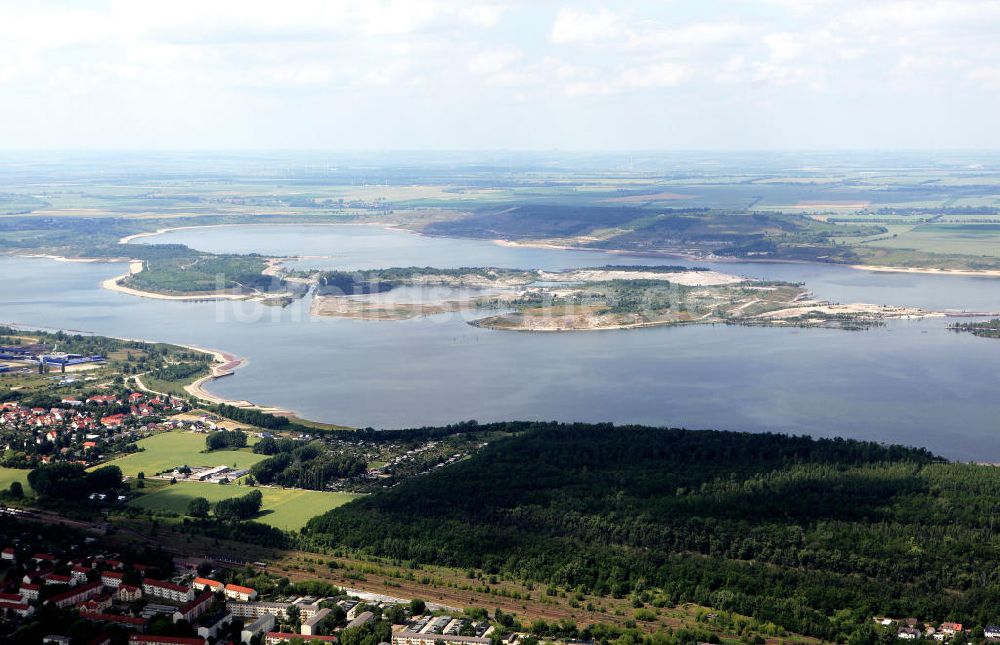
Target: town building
[(309, 627), (195, 608), (144, 639), (242, 594), (128, 622), (274, 638), (263, 624), (77, 595), (30, 591), (363, 618), (167, 590), (112, 579), (255, 610), (201, 584), (210, 626), (21, 608)]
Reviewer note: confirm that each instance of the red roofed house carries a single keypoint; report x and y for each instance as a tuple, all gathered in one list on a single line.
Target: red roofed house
[(57, 579), (129, 593), (203, 583), (79, 573), (142, 639), (111, 579), (30, 591), (167, 590), (244, 594), (78, 595), (8, 554), (102, 399), (951, 628), (138, 624), (21, 608), (195, 608), (273, 638), (113, 420), (96, 605)]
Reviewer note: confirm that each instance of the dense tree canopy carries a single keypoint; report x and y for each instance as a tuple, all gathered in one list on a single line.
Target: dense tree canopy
[(787, 529)]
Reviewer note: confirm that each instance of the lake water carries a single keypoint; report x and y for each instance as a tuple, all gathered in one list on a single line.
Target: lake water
[(910, 382)]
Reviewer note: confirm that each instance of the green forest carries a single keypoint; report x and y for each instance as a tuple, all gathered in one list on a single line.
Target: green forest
[(815, 535), (986, 329)]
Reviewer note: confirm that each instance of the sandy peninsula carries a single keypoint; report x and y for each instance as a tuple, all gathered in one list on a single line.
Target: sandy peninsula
[(985, 273)]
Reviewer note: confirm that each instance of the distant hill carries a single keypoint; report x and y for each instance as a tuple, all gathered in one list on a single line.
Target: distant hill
[(814, 535)]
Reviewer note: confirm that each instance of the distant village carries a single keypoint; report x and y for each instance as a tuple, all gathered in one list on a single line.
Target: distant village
[(83, 430), (911, 629), (181, 603)]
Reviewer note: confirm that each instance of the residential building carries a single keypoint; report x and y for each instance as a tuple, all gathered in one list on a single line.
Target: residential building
[(112, 579), (56, 639), (206, 583), (128, 622), (30, 591), (361, 619), (144, 639), (406, 637), (167, 590), (195, 608), (992, 632), (274, 638), (77, 595), (210, 626), (257, 609), (22, 609), (263, 624), (242, 594), (309, 627), (128, 593), (51, 579)]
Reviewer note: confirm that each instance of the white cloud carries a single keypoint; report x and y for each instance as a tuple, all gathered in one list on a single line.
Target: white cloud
[(255, 58), (580, 26), (493, 61)]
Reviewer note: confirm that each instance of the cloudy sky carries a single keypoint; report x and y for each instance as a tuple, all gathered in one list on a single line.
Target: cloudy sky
[(484, 74)]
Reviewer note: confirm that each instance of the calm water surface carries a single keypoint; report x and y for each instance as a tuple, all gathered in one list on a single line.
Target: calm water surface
[(911, 382)]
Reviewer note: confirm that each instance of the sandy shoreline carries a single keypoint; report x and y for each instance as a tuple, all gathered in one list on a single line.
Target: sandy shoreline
[(970, 273), (567, 247)]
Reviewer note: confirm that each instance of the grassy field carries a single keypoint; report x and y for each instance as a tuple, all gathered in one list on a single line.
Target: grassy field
[(164, 451), (959, 238), (11, 475), (283, 508)]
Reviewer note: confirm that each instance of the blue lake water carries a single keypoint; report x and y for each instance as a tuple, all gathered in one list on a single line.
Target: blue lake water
[(910, 382)]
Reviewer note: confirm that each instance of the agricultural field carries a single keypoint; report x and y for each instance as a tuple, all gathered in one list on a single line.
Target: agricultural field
[(283, 508), (165, 451), (982, 239)]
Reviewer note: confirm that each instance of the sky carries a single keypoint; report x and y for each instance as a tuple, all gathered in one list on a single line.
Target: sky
[(495, 74)]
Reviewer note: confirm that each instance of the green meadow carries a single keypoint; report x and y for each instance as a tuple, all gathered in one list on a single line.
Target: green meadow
[(164, 451), (10, 475), (287, 509)]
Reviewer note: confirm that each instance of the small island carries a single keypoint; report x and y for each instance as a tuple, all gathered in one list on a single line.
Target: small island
[(985, 329), (608, 297)]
